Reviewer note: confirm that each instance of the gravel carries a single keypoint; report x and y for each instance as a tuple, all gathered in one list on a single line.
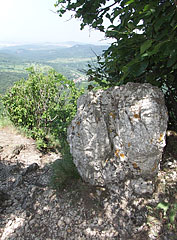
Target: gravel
[(31, 210)]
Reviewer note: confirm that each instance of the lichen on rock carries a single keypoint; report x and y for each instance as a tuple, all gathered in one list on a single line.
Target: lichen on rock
[(119, 134)]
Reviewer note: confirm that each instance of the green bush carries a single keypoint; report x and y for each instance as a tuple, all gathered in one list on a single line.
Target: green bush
[(44, 105)]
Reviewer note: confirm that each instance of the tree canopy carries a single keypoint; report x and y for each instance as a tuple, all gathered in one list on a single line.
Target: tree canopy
[(144, 47)]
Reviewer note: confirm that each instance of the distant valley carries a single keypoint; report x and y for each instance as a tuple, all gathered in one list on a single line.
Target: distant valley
[(70, 59)]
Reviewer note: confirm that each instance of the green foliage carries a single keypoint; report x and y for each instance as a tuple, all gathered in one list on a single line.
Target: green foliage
[(7, 79), (42, 104), (144, 47), (64, 170), (166, 212), (171, 208)]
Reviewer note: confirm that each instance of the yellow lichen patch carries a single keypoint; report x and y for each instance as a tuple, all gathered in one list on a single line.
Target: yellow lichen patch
[(78, 123), (112, 115), (161, 137), (117, 152), (97, 119), (122, 155), (136, 116), (154, 167), (135, 166), (107, 160), (129, 144)]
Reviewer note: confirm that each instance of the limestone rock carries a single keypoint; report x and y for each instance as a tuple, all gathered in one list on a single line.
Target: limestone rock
[(3, 196), (119, 134)]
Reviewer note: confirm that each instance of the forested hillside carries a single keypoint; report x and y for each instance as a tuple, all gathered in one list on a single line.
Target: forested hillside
[(70, 59)]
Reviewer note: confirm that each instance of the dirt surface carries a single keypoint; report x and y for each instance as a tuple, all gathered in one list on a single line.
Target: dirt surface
[(16, 147)]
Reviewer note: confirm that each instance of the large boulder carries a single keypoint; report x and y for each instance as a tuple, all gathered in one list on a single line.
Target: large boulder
[(118, 135)]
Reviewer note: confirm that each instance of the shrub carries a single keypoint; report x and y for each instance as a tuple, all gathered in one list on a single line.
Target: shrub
[(42, 104)]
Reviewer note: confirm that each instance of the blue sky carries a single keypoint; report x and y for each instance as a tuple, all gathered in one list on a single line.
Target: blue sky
[(33, 21)]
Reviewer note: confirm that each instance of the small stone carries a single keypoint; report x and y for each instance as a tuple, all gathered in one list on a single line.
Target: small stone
[(60, 223), (17, 149), (32, 221), (98, 193), (67, 220), (1, 149), (3, 196), (31, 168), (18, 181), (100, 221)]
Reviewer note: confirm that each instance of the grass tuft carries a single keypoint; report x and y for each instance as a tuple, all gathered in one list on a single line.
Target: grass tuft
[(5, 122), (64, 170)]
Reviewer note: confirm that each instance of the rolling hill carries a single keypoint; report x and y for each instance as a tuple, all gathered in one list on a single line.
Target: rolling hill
[(70, 59)]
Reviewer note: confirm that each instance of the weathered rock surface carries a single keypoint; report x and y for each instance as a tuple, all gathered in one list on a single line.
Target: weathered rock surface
[(119, 134), (117, 139)]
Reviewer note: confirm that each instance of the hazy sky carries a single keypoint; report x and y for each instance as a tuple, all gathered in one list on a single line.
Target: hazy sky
[(34, 21)]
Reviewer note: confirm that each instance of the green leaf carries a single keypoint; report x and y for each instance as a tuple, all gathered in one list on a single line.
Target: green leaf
[(140, 68), (130, 1), (158, 24), (157, 47), (145, 46), (173, 213), (172, 60), (174, 27), (135, 67), (131, 26), (147, 7), (164, 206)]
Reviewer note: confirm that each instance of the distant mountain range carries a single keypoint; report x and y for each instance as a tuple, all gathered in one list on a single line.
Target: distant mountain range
[(46, 44), (52, 50)]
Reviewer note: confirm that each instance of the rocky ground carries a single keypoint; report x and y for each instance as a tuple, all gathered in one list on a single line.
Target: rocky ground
[(31, 209)]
